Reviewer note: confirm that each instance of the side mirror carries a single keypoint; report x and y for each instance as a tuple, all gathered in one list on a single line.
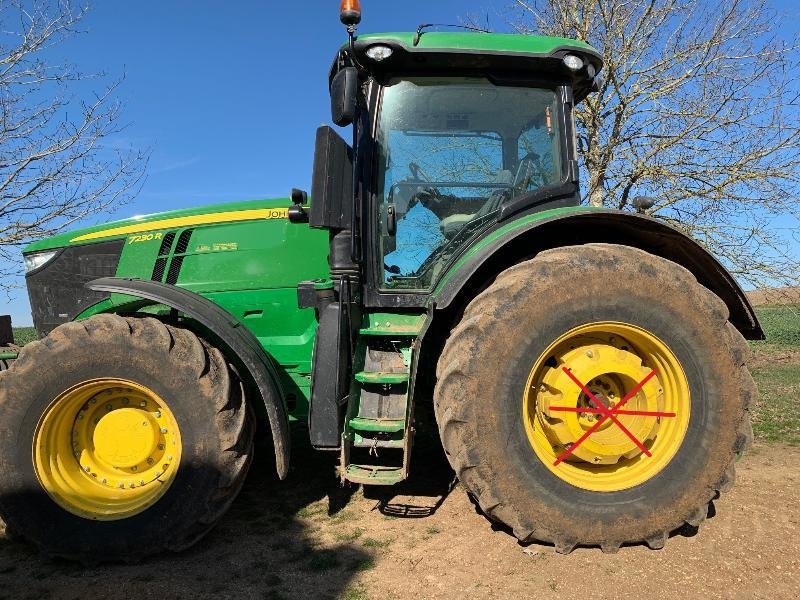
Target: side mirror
[(344, 96)]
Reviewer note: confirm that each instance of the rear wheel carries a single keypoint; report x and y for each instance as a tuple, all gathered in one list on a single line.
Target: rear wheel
[(595, 395), (120, 437)]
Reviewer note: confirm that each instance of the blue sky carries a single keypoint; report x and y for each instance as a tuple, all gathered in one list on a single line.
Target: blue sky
[(228, 95)]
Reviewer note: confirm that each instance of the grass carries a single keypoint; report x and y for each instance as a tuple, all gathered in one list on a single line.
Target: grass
[(323, 560), (781, 325), (348, 536), (373, 543), (23, 335), (356, 592), (776, 416)]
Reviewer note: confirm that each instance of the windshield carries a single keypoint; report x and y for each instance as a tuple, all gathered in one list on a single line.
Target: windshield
[(452, 151)]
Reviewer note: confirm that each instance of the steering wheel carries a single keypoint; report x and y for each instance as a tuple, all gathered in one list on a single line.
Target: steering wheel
[(417, 172)]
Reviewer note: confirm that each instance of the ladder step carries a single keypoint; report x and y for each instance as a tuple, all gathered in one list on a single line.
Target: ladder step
[(373, 475), (362, 442), (385, 425), (381, 377), (393, 324)]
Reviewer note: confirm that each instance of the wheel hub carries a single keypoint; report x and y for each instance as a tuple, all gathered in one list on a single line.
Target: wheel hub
[(572, 433), (107, 449), (125, 437)]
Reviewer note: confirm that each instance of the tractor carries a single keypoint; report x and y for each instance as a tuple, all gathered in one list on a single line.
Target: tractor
[(586, 367)]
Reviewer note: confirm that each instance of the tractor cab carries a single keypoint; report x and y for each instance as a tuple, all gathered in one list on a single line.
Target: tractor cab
[(452, 133)]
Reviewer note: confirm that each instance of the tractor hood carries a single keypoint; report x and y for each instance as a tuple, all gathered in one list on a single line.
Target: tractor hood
[(204, 215)]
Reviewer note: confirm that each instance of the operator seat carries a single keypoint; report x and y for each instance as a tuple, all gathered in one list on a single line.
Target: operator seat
[(451, 225)]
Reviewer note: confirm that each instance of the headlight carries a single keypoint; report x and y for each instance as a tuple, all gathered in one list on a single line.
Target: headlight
[(574, 63), (379, 52), (39, 259)]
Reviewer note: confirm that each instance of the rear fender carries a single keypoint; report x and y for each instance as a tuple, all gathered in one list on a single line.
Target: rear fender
[(528, 235), (240, 345)]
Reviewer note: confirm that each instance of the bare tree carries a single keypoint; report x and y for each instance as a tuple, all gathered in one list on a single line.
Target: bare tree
[(700, 111), (59, 162)]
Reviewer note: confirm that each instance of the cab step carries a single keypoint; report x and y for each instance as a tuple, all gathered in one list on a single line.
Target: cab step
[(378, 377), (379, 432), (374, 474), (382, 425), (389, 324)]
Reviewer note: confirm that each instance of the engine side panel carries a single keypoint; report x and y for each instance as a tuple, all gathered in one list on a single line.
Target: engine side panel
[(248, 262)]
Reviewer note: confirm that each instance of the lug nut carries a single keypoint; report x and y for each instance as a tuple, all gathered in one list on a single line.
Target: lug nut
[(163, 430), (141, 482), (87, 469), (150, 461), (142, 403), (589, 353), (158, 414), (161, 446), (134, 468)]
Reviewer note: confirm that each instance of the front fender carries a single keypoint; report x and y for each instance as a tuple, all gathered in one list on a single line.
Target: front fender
[(239, 342), (527, 235)]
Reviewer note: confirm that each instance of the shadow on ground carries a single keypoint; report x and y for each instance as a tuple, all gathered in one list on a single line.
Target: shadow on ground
[(290, 539), (264, 547)]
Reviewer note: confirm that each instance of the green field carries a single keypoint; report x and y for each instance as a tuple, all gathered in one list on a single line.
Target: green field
[(23, 335), (781, 325), (776, 416)]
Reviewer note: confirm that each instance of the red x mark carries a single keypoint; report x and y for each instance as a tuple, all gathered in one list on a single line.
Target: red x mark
[(608, 414)]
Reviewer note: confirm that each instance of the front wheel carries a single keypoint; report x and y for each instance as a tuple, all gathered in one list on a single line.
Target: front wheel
[(120, 437), (595, 395)]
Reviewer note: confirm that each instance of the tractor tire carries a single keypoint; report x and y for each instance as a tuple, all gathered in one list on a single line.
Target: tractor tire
[(502, 448), (99, 488)]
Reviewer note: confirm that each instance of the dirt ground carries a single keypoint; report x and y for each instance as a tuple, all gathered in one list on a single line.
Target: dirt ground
[(310, 538)]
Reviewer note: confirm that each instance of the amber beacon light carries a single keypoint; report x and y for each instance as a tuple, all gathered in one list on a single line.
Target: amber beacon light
[(350, 12)]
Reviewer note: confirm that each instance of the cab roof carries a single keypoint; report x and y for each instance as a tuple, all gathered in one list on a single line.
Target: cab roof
[(484, 43), (517, 56)]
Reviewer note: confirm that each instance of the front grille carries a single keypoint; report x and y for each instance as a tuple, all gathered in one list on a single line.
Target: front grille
[(57, 291)]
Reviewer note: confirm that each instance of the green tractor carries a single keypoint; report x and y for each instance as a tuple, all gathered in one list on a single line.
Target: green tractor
[(586, 367)]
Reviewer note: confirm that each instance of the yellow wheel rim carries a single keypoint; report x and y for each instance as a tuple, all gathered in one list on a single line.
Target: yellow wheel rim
[(610, 360), (107, 449)]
